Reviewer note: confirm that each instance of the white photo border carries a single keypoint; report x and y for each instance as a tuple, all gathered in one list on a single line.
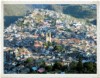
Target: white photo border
[(50, 75)]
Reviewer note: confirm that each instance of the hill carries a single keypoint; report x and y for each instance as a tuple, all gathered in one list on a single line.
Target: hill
[(83, 11), (15, 9), (78, 11)]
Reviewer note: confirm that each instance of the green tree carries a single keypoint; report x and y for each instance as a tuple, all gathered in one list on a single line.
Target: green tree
[(57, 66), (58, 48), (42, 64), (54, 43), (49, 43), (73, 65), (29, 60), (79, 65), (65, 68), (89, 67), (48, 68)]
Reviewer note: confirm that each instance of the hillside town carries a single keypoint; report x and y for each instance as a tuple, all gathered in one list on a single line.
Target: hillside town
[(44, 37)]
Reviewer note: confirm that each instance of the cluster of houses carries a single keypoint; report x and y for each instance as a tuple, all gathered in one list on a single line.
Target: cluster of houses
[(27, 39)]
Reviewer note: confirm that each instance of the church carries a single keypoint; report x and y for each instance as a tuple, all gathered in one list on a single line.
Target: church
[(48, 37)]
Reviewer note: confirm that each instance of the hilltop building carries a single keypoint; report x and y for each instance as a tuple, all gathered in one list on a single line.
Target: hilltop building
[(48, 37)]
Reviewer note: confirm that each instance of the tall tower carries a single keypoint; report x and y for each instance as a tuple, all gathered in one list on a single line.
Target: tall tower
[(48, 37)]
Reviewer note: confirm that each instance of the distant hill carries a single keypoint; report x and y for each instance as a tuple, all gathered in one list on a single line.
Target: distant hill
[(78, 11), (21, 9), (15, 9), (83, 11)]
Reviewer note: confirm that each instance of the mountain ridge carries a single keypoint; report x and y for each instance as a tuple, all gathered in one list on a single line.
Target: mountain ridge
[(78, 11)]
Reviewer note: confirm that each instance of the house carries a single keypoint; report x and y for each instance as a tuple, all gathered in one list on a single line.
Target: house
[(38, 44), (76, 24), (34, 68), (41, 70), (35, 36), (22, 53), (58, 21), (59, 26)]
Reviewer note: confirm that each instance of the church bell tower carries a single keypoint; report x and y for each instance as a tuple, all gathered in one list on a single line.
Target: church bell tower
[(48, 37)]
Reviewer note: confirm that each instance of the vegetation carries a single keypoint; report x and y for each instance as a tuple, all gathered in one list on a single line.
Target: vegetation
[(74, 67), (80, 11), (48, 68), (79, 66), (57, 66), (19, 23), (29, 60), (58, 48), (15, 9), (89, 67)]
